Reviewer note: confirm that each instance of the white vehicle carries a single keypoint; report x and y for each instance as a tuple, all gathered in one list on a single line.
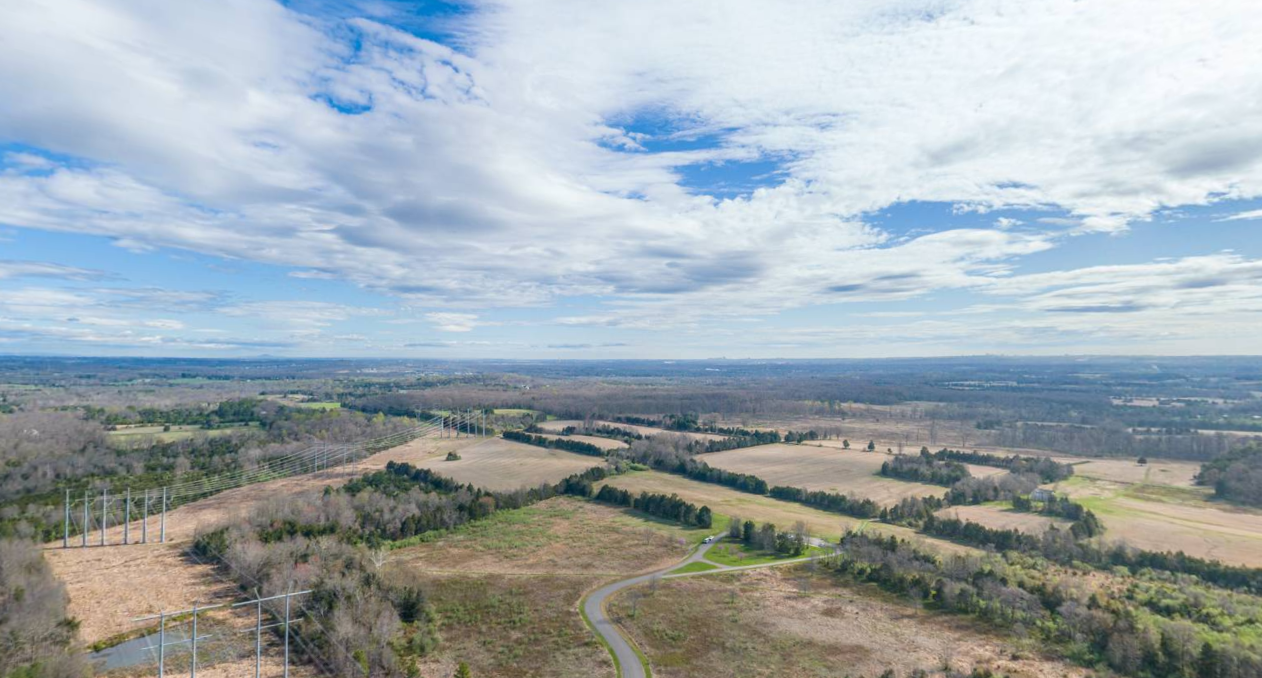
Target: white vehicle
[(707, 540)]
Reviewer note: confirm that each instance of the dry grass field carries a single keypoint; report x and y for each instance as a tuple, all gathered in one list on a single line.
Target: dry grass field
[(561, 424), (562, 535), (789, 621), (1001, 518), (602, 443), (498, 464), (1156, 472), (109, 586), (817, 467), (506, 589), (727, 502), (1168, 518)]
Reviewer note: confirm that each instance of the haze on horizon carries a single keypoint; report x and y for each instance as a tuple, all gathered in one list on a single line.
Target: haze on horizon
[(559, 179)]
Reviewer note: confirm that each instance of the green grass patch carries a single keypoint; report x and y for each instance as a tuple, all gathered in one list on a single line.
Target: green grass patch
[(695, 566), (319, 405), (736, 555)]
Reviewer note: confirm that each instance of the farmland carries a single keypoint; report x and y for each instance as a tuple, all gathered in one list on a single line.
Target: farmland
[(506, 465), (1001, 518), (725, 501), (1170, 518), (821, 468), (602, 443), (561, 424)]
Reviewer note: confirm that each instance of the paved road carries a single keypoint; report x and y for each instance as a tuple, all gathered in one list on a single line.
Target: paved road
[(594, 604), (594, 608)]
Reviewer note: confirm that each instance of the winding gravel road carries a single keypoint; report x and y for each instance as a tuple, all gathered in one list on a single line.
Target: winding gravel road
[(619, 643)]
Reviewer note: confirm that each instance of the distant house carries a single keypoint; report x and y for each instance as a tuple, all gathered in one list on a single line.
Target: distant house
[(1041, 494)]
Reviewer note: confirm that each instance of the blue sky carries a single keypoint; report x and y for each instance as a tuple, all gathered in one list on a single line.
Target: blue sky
[(431, 179)]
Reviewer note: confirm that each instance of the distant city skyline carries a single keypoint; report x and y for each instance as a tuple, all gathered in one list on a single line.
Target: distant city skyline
[(637, 180)]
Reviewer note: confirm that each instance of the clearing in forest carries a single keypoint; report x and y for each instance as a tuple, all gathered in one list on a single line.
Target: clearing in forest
[(646, 431), (602, 443), (823, 468), (1128, 470), (1004, 518), (498, 464)]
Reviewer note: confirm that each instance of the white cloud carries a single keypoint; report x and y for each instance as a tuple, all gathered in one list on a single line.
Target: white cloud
[(1249, 215), (40, 269), (453, 322), (508, 173)]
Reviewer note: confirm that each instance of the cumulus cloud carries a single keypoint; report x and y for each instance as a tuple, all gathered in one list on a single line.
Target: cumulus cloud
[(546, 159)]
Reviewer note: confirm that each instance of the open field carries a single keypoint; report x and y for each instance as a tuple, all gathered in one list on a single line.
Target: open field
[(127, 434), (1127, 470), (646, 431), (790, 622), (1165, 518), (513, 627), (498, 464), (602, 443), (562, 535), (724, 501), (506, 589), (822, 468), (111, 585), (1002, 518)]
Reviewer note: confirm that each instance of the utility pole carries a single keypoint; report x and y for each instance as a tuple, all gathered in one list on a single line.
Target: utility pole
[(144, 522), (65, 534), (289, 590), (86, 518), (105, 496), (258, 638), (162, 527), (162, 644), (127, 519), (193, 667)]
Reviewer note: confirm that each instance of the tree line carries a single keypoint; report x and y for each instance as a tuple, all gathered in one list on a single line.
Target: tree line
[(575, 446), (660, 505), (1133, 630), (925, 469), (1047, 469), (1235, 476)]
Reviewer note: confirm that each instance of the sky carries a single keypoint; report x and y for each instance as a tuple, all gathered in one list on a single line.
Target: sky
[(630, 179)]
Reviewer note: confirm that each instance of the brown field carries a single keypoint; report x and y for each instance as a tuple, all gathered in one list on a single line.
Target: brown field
[(1004, 518), (110, 586), (646, 431), (513, 627), (725, 501), (602, 443), (1157, 471), (824, 468), (506, 589), (1162, 518), (498, 464), (788, 621), (562, 535)]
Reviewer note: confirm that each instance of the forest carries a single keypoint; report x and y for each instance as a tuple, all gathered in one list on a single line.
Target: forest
[(1235, 476)]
